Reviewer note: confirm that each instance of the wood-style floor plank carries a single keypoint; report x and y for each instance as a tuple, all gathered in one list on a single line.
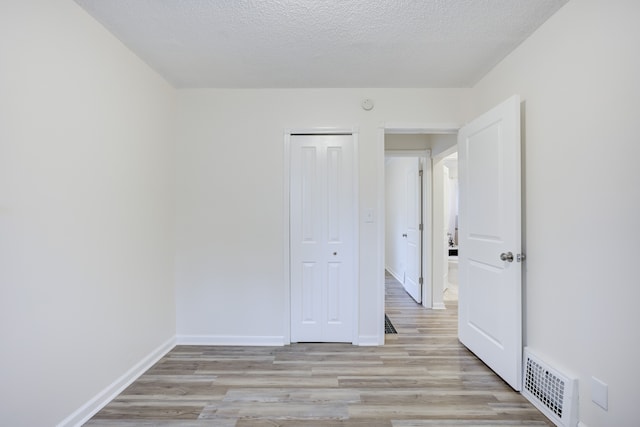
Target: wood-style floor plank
[(421, 377)]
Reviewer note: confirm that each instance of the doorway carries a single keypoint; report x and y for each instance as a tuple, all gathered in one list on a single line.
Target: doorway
[(406, 212), (450, 207), (430, 145), (490, 315)]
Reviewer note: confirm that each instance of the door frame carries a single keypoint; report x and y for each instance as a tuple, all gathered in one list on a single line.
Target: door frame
[(440, 248), (425, 210), (398, 128), (286, 197)]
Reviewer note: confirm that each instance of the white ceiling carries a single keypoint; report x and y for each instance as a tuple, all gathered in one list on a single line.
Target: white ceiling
[(321, 43)]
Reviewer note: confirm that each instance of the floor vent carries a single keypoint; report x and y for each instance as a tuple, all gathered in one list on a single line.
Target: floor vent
[(388, 326), (552, 392)]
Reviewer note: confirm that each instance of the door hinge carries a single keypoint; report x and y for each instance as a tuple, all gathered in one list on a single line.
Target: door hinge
[(420, 227), (521, 257), (420, 280), (420, 172)]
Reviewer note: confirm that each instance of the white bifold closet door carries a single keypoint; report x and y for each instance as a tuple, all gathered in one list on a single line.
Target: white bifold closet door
[(322, 238)]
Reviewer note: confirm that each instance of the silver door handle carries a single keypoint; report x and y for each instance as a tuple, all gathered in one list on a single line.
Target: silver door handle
[(506, 257)]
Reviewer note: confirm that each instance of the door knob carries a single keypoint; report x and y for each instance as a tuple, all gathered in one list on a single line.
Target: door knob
[(506, 256), (404, 235)]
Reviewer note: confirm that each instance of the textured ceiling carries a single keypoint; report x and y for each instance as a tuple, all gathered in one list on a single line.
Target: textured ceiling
[(321, 43)]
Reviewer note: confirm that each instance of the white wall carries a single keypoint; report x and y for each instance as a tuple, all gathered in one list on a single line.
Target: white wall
[(578, 77), (85, 211), (443, 144), (230, 269), (407, 142)]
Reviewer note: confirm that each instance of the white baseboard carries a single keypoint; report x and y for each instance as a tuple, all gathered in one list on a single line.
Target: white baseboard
[(369, 340), (99, 401), (439, 306), (268, 341), (394, 274)]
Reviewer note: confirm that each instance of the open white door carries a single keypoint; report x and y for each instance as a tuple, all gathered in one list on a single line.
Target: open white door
[(413, 235), (490, 304)]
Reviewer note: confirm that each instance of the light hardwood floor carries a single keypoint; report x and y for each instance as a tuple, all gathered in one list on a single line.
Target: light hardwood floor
[(421, 377)]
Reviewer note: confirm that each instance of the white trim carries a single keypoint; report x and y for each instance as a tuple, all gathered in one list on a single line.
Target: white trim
[(438, 244), (380, 260), (427, 225), (394, 274), (240, 340), (403, 128), (446, 153), (438, 306), (286, 223), (354, 132), (100, 400), (408, 153), (368, 341), (322, 131), (356, 239)]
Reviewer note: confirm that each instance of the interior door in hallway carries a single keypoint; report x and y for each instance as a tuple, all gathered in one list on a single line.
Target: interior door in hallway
[(489, 259), (322, 238), (413, 233)]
